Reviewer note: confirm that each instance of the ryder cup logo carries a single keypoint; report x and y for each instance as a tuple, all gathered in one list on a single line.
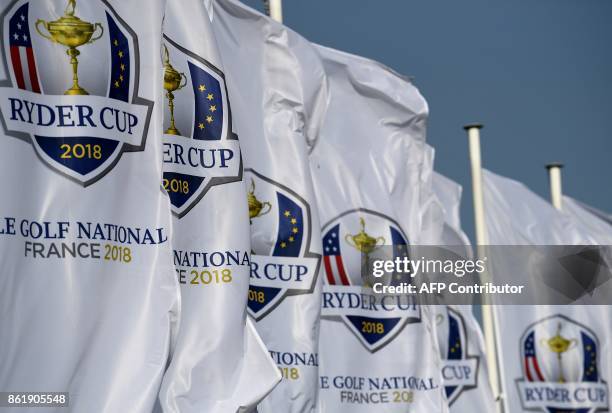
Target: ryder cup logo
[(459, 370), (199, 150), (72, 87), (561, 368), (282, 263), (349, 240)]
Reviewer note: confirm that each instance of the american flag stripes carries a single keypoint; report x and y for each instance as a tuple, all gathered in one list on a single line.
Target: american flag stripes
[(334, 266), (532, 367), (22, 55)]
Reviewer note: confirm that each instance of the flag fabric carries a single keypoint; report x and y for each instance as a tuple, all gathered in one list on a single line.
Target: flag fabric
[(449, 195), (88, 292), (464, 366), (598, 213), (433, 215), (551, 355), (548, 227), (277, 86), (598, 223), (218, 362), (372, 358)]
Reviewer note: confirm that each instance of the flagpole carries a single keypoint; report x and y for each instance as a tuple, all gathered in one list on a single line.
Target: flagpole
[(554, 179), (482, 239), (274, 9), (473, 131)]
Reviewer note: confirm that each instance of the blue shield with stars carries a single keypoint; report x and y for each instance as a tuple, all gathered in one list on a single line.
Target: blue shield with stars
[(282, 262), (81, 136), (459, 370), (197, 123)]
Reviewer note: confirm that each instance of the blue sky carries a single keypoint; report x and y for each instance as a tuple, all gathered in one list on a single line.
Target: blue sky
[(537, 73)]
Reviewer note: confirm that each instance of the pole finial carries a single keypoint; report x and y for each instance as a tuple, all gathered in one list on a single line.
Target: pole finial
[(554, 165), (473, 125)]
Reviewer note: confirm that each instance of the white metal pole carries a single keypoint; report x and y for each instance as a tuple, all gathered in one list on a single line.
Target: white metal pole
[(276, 10), (482, 239), (554, 178), (473, 131)]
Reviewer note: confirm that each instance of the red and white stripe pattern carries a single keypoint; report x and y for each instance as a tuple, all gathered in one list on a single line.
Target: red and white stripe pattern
[(332, 258), (22, 54), (532, 368)]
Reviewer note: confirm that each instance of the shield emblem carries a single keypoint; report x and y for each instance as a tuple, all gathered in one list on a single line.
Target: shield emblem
[(560, 356), (199, 149), (282, 261), (74, 99), (459, 370), (344, 246)]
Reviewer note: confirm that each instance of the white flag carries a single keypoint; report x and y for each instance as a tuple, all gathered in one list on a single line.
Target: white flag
[(464, 371), (217, 364), (367, 166), (598, 223), (277, 86), (598, 213), (554, 358), (449, 194), (88, 292), (432, 212)]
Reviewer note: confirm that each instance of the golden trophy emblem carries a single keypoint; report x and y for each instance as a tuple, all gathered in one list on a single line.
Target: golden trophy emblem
[(173, 81), (364, 242), (559, 345), (72, 32), (256, 207)]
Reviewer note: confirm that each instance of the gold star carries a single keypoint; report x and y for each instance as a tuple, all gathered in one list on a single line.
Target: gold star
[(294, 230), (202, 88), (213, 108), (117, 83), (201, 126), (121, 77), (287, 213), (122, 67), (291, 239), (115, 42), (209, 119), (293, 221), (120, 54), (452, 350), (210, 96), (283, 244)]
